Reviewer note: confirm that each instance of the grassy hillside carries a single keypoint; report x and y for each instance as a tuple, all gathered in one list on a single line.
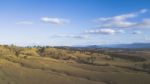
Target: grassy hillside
[(46, 65)]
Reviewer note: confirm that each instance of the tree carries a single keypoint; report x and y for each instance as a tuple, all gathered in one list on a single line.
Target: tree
[(91, 59)]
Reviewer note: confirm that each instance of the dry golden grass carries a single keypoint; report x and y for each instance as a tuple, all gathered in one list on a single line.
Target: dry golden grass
[(31, 68)]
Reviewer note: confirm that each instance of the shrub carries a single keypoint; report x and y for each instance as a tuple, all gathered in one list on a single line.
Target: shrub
[(28, 52), (146, 66), (91, 59), (55, 53), (86, 60), (5, 51)]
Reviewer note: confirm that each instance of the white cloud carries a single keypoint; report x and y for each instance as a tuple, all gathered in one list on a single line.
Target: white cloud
[(137, 32), (121, 31), (143, 10), (145, 23), (104, 31), (70, 36), (146, 38), (24, 23), (55, 20), (123, 21)]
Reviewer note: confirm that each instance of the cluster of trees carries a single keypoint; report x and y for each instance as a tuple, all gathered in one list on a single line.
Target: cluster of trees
[(82, 57), (146, 66), (56, 53), (127, 57)]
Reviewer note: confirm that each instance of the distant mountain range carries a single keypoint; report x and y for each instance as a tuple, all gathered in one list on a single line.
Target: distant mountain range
[(133, 45)]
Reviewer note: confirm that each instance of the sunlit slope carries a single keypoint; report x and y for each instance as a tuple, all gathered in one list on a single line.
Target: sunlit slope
[(36, 72), (60, 66)]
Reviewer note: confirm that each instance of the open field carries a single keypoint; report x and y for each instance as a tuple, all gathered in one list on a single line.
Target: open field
[(46, 65)]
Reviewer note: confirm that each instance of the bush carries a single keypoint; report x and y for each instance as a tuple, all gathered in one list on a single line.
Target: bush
[(91, 59), (5, 51), (130, 57), (55, 53), (86, 60), (28, 52), (146, 66)]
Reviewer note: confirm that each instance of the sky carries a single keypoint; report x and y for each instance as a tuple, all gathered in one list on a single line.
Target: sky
[(74, 22)]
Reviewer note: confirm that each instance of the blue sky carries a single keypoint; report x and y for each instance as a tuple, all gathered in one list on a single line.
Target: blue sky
[(74, 22)]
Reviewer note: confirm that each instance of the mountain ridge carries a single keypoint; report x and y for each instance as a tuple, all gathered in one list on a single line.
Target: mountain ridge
[(131, 45)]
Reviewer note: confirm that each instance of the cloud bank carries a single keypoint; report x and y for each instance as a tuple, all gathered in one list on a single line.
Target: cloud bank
[(124, 21), (120, 23)]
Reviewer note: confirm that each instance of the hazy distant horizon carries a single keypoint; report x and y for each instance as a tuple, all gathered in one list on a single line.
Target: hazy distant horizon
[(80, 45)]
